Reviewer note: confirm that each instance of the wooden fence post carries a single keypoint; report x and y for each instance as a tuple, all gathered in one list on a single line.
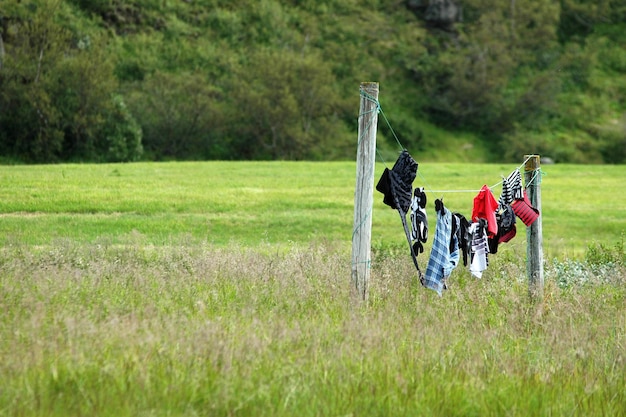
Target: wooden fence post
[(534, 233), (364, 189)]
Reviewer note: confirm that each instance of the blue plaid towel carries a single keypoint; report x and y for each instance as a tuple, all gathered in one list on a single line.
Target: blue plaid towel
[(442, 261)]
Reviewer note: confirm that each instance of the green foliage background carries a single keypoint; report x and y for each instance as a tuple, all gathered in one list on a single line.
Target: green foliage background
[(113, 80)]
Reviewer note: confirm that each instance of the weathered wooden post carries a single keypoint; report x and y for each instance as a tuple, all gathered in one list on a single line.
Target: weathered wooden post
[(364, 189), (534, 233)]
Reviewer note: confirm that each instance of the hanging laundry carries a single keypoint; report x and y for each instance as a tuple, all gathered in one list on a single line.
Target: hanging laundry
[(397, 185), (505, 217), (485, 206), (419, 220), (454, 233), (441, 262), (463, 237), (480, 248), (525, 211), (506, 224), (511, 188)]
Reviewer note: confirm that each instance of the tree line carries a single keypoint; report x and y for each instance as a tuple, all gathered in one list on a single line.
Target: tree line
[(113, 80)]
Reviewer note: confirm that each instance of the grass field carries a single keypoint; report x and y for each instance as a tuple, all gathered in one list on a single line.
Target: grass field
[(277, 202), (223, 289)]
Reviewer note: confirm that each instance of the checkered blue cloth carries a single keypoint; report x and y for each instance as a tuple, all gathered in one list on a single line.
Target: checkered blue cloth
[(442, 261)]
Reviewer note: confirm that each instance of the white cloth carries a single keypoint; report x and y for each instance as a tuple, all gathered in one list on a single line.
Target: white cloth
[(480, 249)]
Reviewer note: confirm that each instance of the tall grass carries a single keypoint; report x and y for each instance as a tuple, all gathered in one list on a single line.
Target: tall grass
[(144, 330), (224, 289)]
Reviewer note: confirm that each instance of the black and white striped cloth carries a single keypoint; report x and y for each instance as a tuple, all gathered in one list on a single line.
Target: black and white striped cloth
[(511, 188), (419, 218)]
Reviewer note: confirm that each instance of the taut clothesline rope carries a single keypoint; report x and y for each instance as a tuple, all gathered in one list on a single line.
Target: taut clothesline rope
[(492, 187), (428, 187)]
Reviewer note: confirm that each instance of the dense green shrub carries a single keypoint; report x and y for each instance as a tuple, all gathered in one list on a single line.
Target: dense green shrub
[(269, 79), (57, 88), (120, 134), (602, 254)]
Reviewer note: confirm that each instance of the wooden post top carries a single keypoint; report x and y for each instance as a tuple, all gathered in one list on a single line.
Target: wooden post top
[(369, 86), (532, 162)]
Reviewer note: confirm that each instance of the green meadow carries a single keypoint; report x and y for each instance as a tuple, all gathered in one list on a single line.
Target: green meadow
[(223, 289), (248, 203)]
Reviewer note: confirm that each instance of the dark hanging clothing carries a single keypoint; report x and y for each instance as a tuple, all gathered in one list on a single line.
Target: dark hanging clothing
[(506, 223), (463, 237), (396, 184), (505, 217)]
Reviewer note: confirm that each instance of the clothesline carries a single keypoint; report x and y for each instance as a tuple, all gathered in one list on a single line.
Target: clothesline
[(455, 191), (428, 188), (475, 237)]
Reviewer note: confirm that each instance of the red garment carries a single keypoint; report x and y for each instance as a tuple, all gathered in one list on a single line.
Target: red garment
[(485, 206), (525, 211)]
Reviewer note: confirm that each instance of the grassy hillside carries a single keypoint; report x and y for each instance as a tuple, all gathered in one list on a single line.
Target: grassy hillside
[(277, 79)]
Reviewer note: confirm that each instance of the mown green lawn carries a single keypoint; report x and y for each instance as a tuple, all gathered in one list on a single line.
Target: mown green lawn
[(224, 289), (277, 202)]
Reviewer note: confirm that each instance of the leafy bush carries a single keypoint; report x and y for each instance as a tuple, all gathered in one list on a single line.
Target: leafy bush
[(57, 86), (601, 254), (602, 265), (120, 135), (179, 115)]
